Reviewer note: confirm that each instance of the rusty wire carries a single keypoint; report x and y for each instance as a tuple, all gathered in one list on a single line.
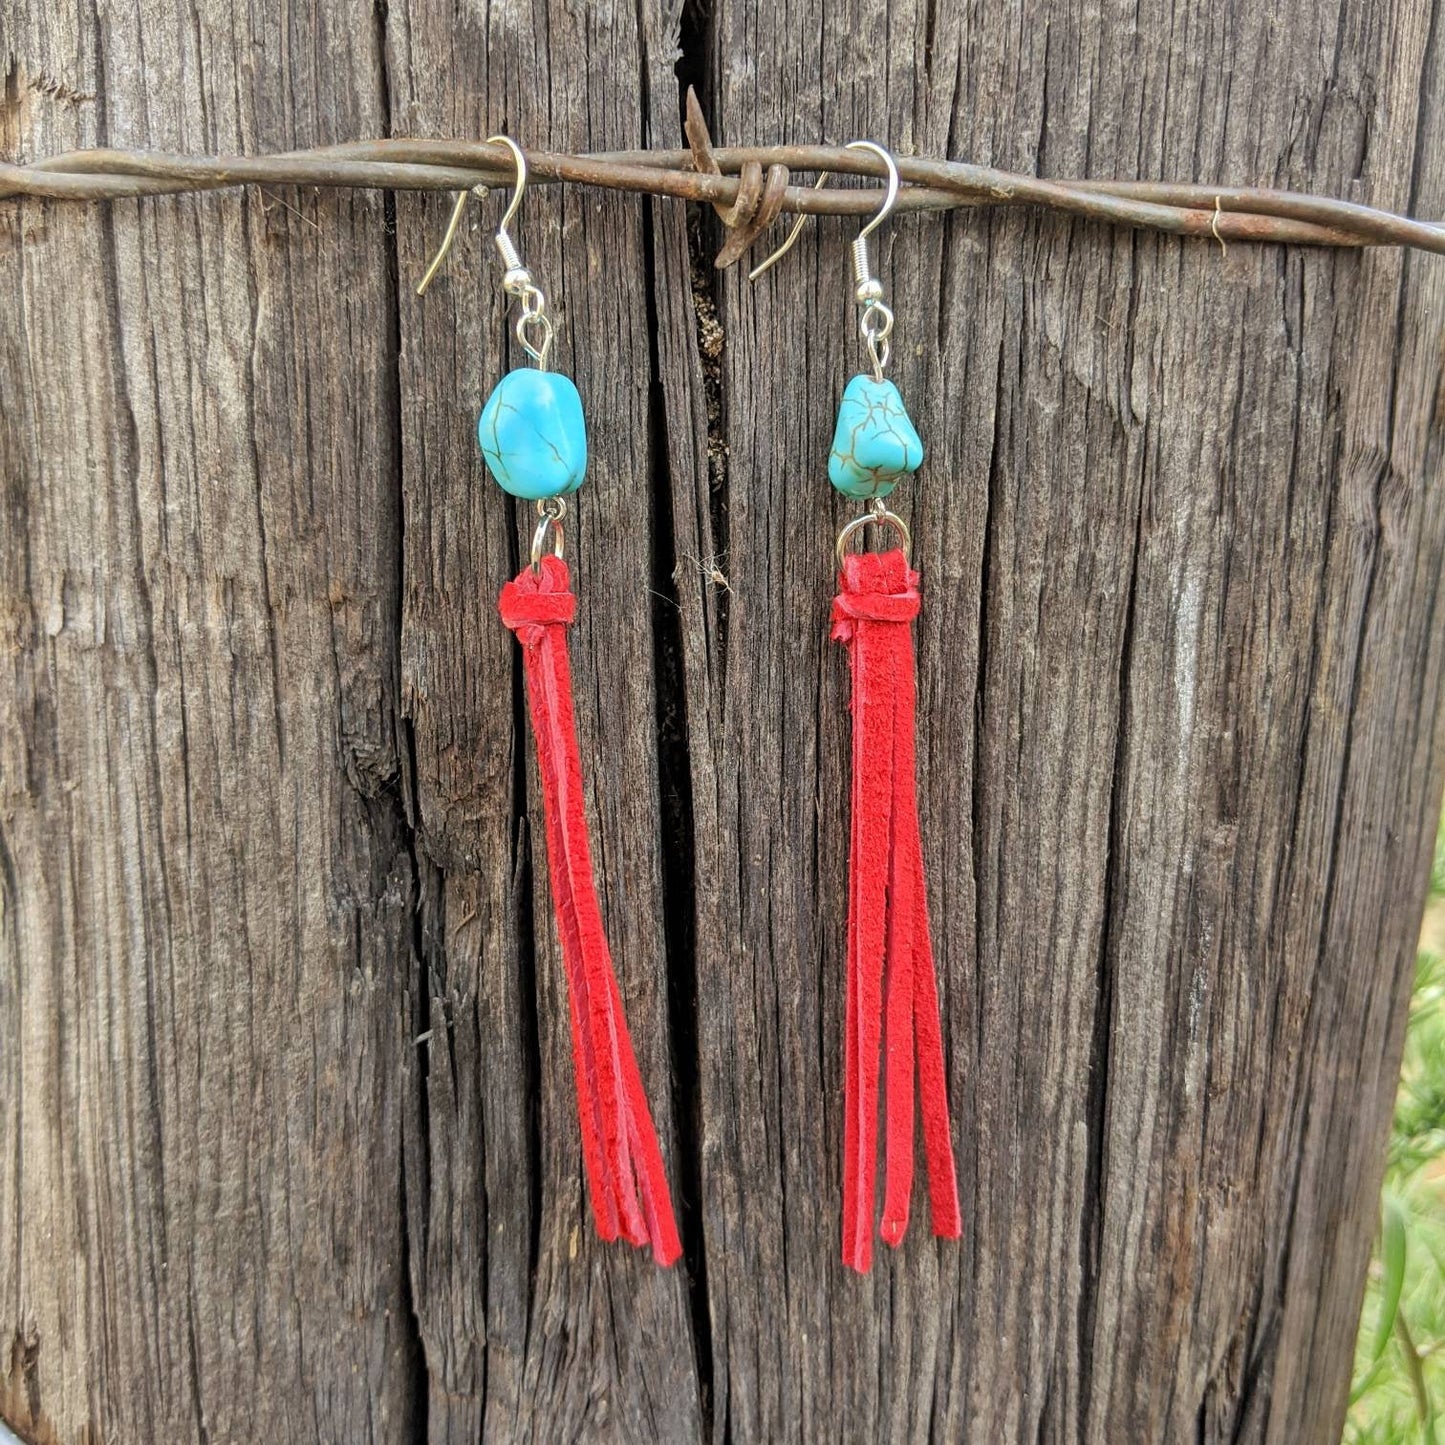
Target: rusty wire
[(749, 186)]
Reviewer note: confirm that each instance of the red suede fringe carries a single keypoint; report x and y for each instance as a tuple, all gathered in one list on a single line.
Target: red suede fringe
[(625, 1176), (892, 1001)]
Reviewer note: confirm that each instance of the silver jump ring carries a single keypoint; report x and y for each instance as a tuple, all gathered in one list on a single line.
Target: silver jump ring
[(551, 510), (877, 513)]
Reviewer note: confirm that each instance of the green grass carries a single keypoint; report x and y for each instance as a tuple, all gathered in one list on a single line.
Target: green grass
[(1398, 1391)]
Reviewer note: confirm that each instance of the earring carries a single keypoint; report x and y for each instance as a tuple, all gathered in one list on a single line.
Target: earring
[(892, 990), (534, 439)]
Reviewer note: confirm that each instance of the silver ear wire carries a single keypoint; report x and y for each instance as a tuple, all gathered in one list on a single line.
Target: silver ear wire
[(876, 319), (517, 279), (534, 326)]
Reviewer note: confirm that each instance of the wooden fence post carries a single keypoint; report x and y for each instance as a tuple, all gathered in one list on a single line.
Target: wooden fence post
[(287, 1149)]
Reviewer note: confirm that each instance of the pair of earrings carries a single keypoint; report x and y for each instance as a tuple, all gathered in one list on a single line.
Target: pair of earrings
[(533, 438)]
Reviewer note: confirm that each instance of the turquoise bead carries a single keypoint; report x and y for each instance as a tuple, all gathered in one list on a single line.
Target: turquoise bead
[(875, 443), (533, 434)]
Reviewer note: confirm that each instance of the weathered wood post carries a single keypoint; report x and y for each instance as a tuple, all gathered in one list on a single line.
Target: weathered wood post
[(287, 1148)]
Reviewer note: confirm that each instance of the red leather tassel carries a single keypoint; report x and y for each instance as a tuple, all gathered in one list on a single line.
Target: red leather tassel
[(892, 996), (625, 1176)]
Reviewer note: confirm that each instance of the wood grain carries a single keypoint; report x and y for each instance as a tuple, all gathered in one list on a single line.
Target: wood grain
[(287, 1144), (1180, 535), (207, 890)]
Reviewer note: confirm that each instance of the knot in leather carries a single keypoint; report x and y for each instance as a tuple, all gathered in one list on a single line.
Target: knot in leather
[(874, 587), (532, 601)]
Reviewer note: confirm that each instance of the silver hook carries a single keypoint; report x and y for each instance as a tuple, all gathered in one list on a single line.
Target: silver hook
[(519, 161), (510, 259), (890, 200), (516, 279), (504, 241), (875, 321)]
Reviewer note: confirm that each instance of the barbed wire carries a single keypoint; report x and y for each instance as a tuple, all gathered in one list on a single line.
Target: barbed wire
[(749, 186)]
